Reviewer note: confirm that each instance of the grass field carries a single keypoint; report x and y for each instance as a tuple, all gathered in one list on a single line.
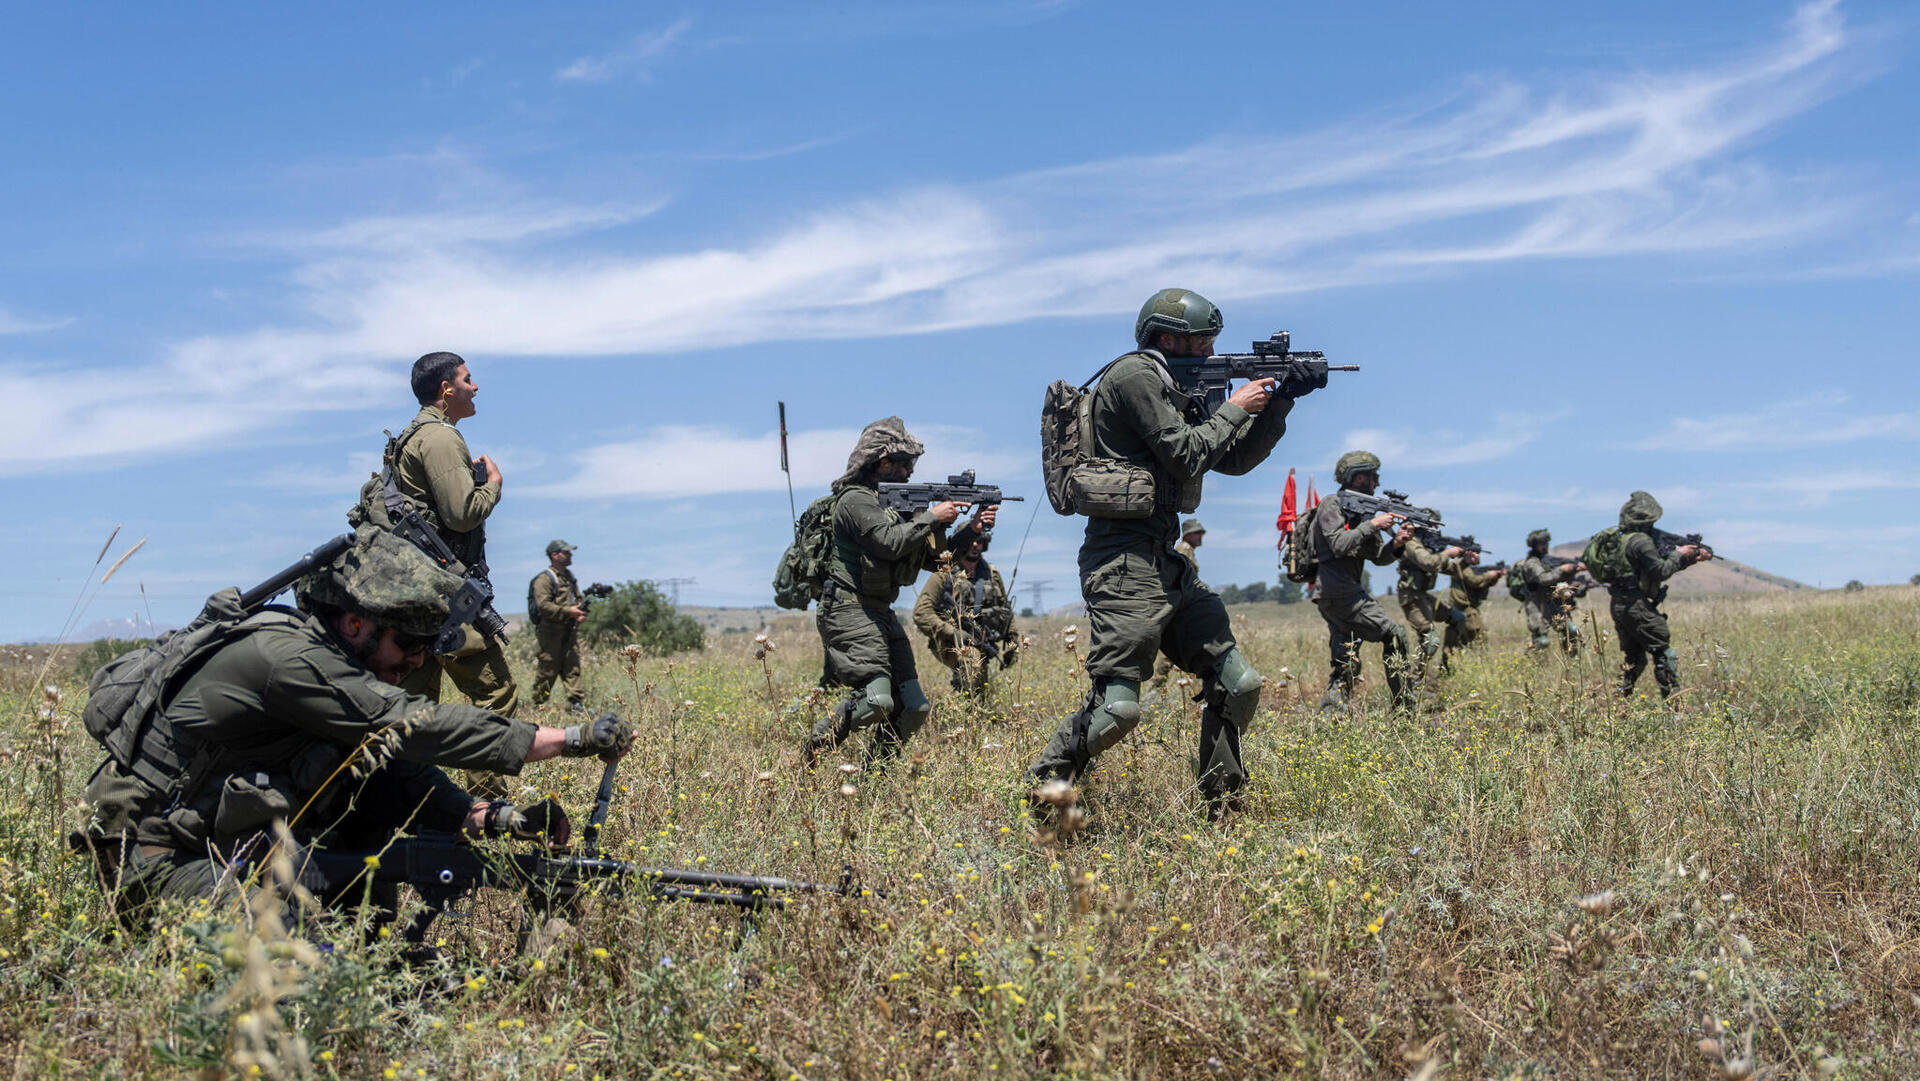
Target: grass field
[(1536, 880)]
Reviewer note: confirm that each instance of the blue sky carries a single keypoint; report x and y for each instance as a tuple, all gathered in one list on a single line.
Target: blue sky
[(1576, 252)]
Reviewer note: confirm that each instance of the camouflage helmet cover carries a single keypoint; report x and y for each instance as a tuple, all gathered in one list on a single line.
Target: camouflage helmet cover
[(1639, 511), (1355, 461), (1191, 525), (1181, 311), (386, 580), (1538, 536), (881, 439)]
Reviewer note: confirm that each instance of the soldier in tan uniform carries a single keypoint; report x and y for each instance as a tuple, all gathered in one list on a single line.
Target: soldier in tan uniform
[(1459, 608), (1420, 570), (1192, 535), (554, 608), (967, 618)]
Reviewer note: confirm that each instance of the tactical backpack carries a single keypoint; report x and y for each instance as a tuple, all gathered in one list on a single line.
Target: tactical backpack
[(1301, 563), (1606, 556), (381, 501), (1517, 587), (802, 570), (126, 696), (1095, 487), (533, 610)]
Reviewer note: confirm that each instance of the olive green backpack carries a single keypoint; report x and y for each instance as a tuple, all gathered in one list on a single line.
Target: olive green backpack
[(802, 570), (1606, 556)]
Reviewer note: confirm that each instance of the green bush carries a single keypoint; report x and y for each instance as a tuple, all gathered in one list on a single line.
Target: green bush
[(639, 614), (1854, 586), (100, 651)]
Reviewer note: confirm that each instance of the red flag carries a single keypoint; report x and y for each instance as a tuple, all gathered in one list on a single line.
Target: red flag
[(1288, 515), (1313, 497)]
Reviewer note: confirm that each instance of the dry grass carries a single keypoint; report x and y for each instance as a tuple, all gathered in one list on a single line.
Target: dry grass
[(1537, 880)]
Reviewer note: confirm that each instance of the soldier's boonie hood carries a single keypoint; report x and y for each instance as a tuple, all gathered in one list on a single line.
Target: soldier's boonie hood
[(1640, 511), (877, 440)]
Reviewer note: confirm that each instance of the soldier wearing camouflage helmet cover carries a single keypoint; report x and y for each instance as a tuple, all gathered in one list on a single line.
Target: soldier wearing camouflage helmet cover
[(1549, 611), (875, 554), (1353, 617), (1143, 596), (269, 720), (1636, 596), (554, 608), (1458, 609), (1420, 571)]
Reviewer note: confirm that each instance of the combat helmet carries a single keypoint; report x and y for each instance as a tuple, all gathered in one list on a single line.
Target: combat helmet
[(1539, 536), (386, 580), (1355, 461), (1639, 511), (1180, 311), (883, 438)]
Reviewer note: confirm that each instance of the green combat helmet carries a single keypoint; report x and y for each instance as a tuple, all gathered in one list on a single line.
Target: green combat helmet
[(1539, 536), (1191, 526), (1181, 311), (1354, 461), (881, 439), (1639, 512), (386, 580)]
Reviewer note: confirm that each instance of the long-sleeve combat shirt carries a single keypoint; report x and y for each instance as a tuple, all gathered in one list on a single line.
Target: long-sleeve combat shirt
[(1650, 569), (1467, 586), (953, 597), (876, 552), (1340, 549), (1140, 416), (1538, 578), (436, 468), (1421, 567), (551, 593), (283, 708)]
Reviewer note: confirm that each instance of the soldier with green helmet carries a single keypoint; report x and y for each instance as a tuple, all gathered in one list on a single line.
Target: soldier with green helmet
[(555, 608), (1143, 596), (1636, 596), (1458, 610), (1352, 616), (965, 614), (1192, 536), (1549, 608), (1420, 571), (875, 553), (267, 723)]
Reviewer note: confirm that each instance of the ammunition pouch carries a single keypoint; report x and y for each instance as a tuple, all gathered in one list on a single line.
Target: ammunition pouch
[(1112, 488)]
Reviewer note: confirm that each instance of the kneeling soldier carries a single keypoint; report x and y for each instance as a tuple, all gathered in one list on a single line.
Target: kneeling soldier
[(966, 616)]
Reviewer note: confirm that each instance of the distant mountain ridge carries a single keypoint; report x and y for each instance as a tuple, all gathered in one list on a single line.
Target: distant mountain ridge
[(1720, 575)]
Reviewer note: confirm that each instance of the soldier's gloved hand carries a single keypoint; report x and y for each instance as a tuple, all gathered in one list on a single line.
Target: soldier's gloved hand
[(544, 821), (608, 737)]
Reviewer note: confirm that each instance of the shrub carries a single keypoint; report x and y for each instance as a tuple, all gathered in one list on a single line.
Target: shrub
[(1854, 586), (640, 614)]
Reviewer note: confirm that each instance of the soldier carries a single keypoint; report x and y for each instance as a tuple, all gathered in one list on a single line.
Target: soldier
[(1142, 596), (1192, 535), (967, 618), (1636, 596), (1352, 616), (874, 554), (1420, 570), (1459, 607), (555, 609), (263, 728), (1549, 608)]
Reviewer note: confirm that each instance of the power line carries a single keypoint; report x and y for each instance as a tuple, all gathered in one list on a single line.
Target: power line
[(673, 587), (1039, 591)]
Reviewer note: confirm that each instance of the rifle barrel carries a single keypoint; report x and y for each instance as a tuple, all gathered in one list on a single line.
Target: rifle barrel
[(305, 565)]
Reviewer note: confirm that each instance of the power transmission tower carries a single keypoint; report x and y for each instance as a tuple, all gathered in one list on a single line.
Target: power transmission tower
[(673, 587), (1038, 590)]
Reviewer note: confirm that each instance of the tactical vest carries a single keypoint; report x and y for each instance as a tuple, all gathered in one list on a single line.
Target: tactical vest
[(382, 502), (870, 576)]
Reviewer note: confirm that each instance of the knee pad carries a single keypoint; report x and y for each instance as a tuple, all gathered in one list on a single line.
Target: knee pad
[(914, 708), (1237, 686), (1114, 713), (874, 703)]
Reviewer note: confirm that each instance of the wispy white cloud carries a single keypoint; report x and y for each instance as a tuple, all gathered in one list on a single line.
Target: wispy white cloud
[(634, 60), (1614, 166), (14, 323), (1823, 420), (692, 460)]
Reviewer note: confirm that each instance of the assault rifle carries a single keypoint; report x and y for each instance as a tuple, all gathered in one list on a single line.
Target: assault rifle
[(473, 601), (1579, 585), (1358, 507), (259, 595), (1298, 373), (1667, 542), (1489, 568), (1440, 542), (910, 498), (597, 589)]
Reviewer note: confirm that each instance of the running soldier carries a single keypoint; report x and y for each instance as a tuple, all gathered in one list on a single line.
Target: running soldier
[(1459, 607), (1636, 596), (1420, 570), (1351, 615), (1546, 595)]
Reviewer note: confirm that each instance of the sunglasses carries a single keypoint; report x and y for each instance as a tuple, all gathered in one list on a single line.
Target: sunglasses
[(414, 643)]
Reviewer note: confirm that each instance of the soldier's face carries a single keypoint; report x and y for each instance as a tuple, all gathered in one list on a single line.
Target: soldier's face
[(1364, 481), (1195, 538), (561, 559), (457, 394), (895, 468), (395, 657)]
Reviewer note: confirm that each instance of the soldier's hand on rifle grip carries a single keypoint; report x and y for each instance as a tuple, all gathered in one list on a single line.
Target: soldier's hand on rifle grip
[(1382, 520), (945, 513), (983, 520), (1403, 535), (1454, 550), (608, 737), (1254, 394), (1694, 553), (578, 613)]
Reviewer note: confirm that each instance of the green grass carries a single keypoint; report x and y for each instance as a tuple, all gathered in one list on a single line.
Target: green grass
[(1401, 897)]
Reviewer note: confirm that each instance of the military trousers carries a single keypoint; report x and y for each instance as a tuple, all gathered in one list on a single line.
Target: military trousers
[(968, 666), (865, 643), (1463, 627), (1352, 621), (1548, 617), (557, 657), (1643, 633), (1418, 606), (479, 669)]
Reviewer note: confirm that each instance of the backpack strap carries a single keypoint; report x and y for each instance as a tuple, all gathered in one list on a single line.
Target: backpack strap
[(389, 487)]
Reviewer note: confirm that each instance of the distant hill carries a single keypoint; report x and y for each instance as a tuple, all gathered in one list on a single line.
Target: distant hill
[(1718, 576)]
